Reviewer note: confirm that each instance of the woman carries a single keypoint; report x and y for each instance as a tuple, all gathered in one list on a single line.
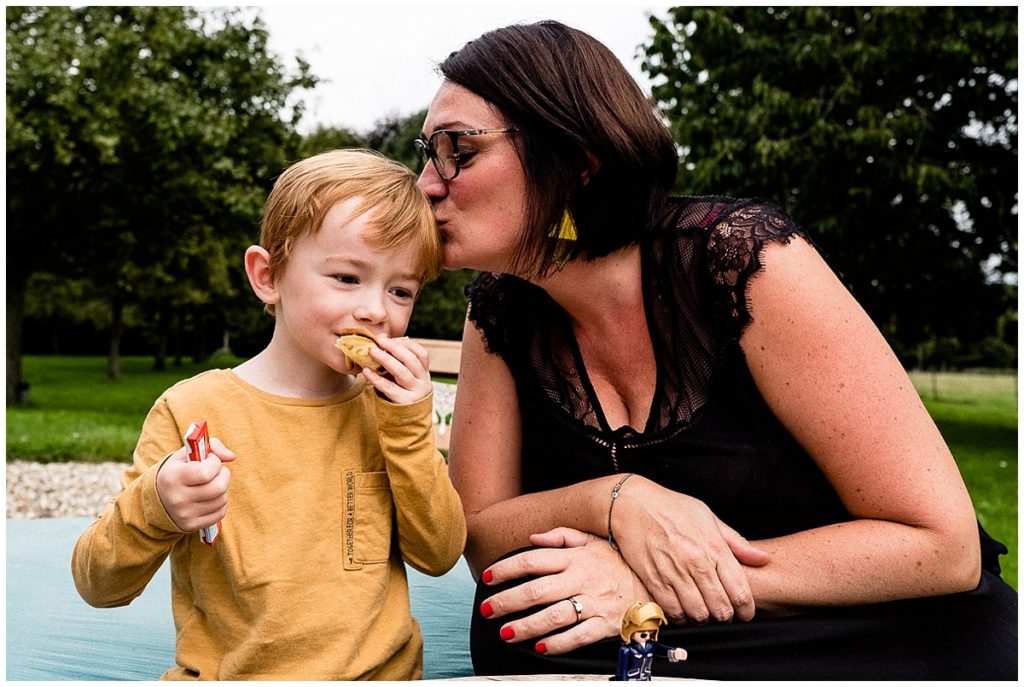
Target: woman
[(675, 399)]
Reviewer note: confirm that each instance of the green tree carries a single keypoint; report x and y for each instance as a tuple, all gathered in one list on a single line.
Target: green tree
[(325, 138), (55, 301), (141, 141), (393, 136), (39, 152), (890, 132)]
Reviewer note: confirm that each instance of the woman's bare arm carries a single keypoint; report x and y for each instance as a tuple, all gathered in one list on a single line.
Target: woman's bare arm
[(833, 381), (484, 462)]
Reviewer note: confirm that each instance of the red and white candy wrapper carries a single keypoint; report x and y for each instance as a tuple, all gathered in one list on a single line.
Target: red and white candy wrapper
[(197, 441)]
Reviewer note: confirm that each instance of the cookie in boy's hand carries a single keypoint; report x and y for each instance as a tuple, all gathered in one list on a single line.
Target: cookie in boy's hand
[(356, 346)]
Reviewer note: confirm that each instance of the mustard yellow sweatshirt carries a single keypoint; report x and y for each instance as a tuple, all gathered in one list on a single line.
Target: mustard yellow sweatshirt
[(306, 581)]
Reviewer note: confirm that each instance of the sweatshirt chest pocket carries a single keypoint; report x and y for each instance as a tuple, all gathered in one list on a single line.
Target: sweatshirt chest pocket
[(368, 518)]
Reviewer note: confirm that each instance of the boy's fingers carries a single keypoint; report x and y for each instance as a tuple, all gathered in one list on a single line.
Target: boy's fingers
[(213, 505), (216, 446), (222, 451), (406, 351), (388, 389), (181, 456), (210, 496), (419, 351), (196, 473)]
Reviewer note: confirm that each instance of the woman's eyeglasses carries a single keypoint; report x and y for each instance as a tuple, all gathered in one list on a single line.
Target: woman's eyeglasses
[(442, 148)]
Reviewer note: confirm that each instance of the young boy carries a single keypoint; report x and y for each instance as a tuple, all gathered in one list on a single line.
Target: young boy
[(337, 480)]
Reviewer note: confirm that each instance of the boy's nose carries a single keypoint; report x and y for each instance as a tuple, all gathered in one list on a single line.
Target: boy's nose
[(371, 310)]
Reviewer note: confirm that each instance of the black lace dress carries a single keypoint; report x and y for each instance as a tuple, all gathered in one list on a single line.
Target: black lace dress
[(711, 435)]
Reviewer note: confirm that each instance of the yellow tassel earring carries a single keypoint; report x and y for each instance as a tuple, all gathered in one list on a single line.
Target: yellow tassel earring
[(564, 235)]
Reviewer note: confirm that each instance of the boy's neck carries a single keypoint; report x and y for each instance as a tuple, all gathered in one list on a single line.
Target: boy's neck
[(281, 376)]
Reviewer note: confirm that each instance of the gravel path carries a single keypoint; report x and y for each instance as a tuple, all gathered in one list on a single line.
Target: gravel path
[(54, 490)]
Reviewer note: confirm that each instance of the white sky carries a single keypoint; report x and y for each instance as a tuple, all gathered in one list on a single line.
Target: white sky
[(379, 61)]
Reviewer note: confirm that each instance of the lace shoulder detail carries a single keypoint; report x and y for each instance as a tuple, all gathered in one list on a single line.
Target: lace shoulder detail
[(490, 310), (735, 244)]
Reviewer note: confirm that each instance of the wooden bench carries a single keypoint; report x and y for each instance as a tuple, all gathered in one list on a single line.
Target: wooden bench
[(444, 355), (444, 361)]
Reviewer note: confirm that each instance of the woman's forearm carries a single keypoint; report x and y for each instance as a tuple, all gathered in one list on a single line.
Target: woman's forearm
[(507, 525), (861, 562)]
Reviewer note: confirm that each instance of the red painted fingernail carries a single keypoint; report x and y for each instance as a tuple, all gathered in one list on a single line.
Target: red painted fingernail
[(487, 576), (507, 633), (486, 610), (541, 648)]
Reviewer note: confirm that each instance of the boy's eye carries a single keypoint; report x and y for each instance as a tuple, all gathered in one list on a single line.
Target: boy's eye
[(404, 293), (346, 279)]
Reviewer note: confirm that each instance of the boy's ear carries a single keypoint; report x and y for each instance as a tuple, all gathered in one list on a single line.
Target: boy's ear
[(257, 268)]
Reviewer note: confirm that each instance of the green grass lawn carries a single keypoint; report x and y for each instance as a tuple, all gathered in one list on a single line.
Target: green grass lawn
[(977, 415), (76, 413)]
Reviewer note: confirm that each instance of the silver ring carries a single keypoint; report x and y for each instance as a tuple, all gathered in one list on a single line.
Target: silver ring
[(578, 606)]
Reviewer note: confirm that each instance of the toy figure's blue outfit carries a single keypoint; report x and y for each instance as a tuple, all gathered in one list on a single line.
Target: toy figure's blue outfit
[(635, 660)]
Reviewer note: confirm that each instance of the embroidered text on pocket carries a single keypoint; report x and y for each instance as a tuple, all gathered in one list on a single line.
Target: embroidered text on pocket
[(368, 518)]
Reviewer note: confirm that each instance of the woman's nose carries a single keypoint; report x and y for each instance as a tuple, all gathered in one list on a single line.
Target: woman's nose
[(431, 183)]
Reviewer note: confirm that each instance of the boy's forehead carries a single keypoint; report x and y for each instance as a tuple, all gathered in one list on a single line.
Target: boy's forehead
[(345, 211), (352, 234), (356, 253), (360, 223)]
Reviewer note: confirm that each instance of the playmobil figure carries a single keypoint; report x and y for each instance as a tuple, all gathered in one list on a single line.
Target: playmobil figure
[(640, 642)]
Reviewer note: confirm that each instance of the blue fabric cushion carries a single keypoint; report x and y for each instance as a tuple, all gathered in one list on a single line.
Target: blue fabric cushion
[(53, 635)]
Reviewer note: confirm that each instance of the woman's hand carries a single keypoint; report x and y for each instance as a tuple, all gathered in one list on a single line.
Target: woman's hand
[(690, 561), (573, 564)]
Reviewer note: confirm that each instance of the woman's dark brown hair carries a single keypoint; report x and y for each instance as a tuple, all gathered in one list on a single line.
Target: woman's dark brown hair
[(577, 109)]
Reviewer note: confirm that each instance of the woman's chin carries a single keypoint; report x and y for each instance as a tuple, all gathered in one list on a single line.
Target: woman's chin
[(452, 258), (455, 259)]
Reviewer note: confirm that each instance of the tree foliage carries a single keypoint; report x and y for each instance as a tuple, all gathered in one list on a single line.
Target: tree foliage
[(890, 132), (139, 145), (142, 143)]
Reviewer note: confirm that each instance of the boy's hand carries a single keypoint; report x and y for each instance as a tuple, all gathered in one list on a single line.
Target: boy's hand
[(195, 493), (408, 371)]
